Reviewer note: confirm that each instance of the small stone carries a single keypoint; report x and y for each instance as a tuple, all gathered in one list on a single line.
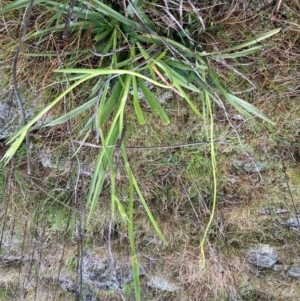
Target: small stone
[(292, 223), (263, 256), (249, 167), (163, 284), (238, 117), (278, 267), (294, 271)]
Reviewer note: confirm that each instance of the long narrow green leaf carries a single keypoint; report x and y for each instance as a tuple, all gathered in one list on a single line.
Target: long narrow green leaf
[(136, 277), (187, 98), (151, 217), (99, 175), (182, 81), (19, 136), (95, 189), (154, 103), (74, 26), (240, 53), (79, 12), (136, 102), (17, 5), (152, 39), (253, 41), (108, 11), (98, 72), (135, 267), (121, 209), (72, 114), (108, 105), (183, 65), (141, 14), (99, 37), (105, 157), (245, 107)]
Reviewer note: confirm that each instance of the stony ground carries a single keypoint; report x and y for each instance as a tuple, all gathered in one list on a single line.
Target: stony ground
[(252, 251)]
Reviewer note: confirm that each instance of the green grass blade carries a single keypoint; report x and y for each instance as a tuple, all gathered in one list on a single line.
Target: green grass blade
[(214, 176), (136, 277), (183, 65), (152, 39), (188, 100), (134, 261), (135, 266), (74, 26), (138, 8), (72, 114), (99, 175), (17, 5), (253, 41), (147, 209), (95, 189), (153, 102), (245, 107), (99, 37), (240, 53), (99, 72), (180, 79), (136, 103), (19, 136), (108, 105), (79, 12), (108, 11), (121, 209)]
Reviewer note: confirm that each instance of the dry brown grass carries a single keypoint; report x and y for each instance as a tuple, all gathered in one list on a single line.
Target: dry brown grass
[(178, 195)]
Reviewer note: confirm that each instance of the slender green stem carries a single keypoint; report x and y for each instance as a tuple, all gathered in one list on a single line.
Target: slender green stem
[(134, 261), (213, 164)]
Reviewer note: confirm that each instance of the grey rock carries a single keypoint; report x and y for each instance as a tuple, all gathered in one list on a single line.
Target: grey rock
[(11, 119), (85, 293), (97, 274), (163, 284), (292, 223), (10, 258), (63, 161), (278, 267), (248, 166), (294, 271), (103, 276), (263, 256)]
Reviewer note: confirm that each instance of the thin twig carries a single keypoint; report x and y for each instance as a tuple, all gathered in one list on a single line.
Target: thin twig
[(180, 12), (68, 19), (41, 240), (196, 11), (291, 195), (151, 147), (278, 5), (17, 92)]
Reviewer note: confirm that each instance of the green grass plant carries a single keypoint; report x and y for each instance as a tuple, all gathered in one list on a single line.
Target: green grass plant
[(132, 52)]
